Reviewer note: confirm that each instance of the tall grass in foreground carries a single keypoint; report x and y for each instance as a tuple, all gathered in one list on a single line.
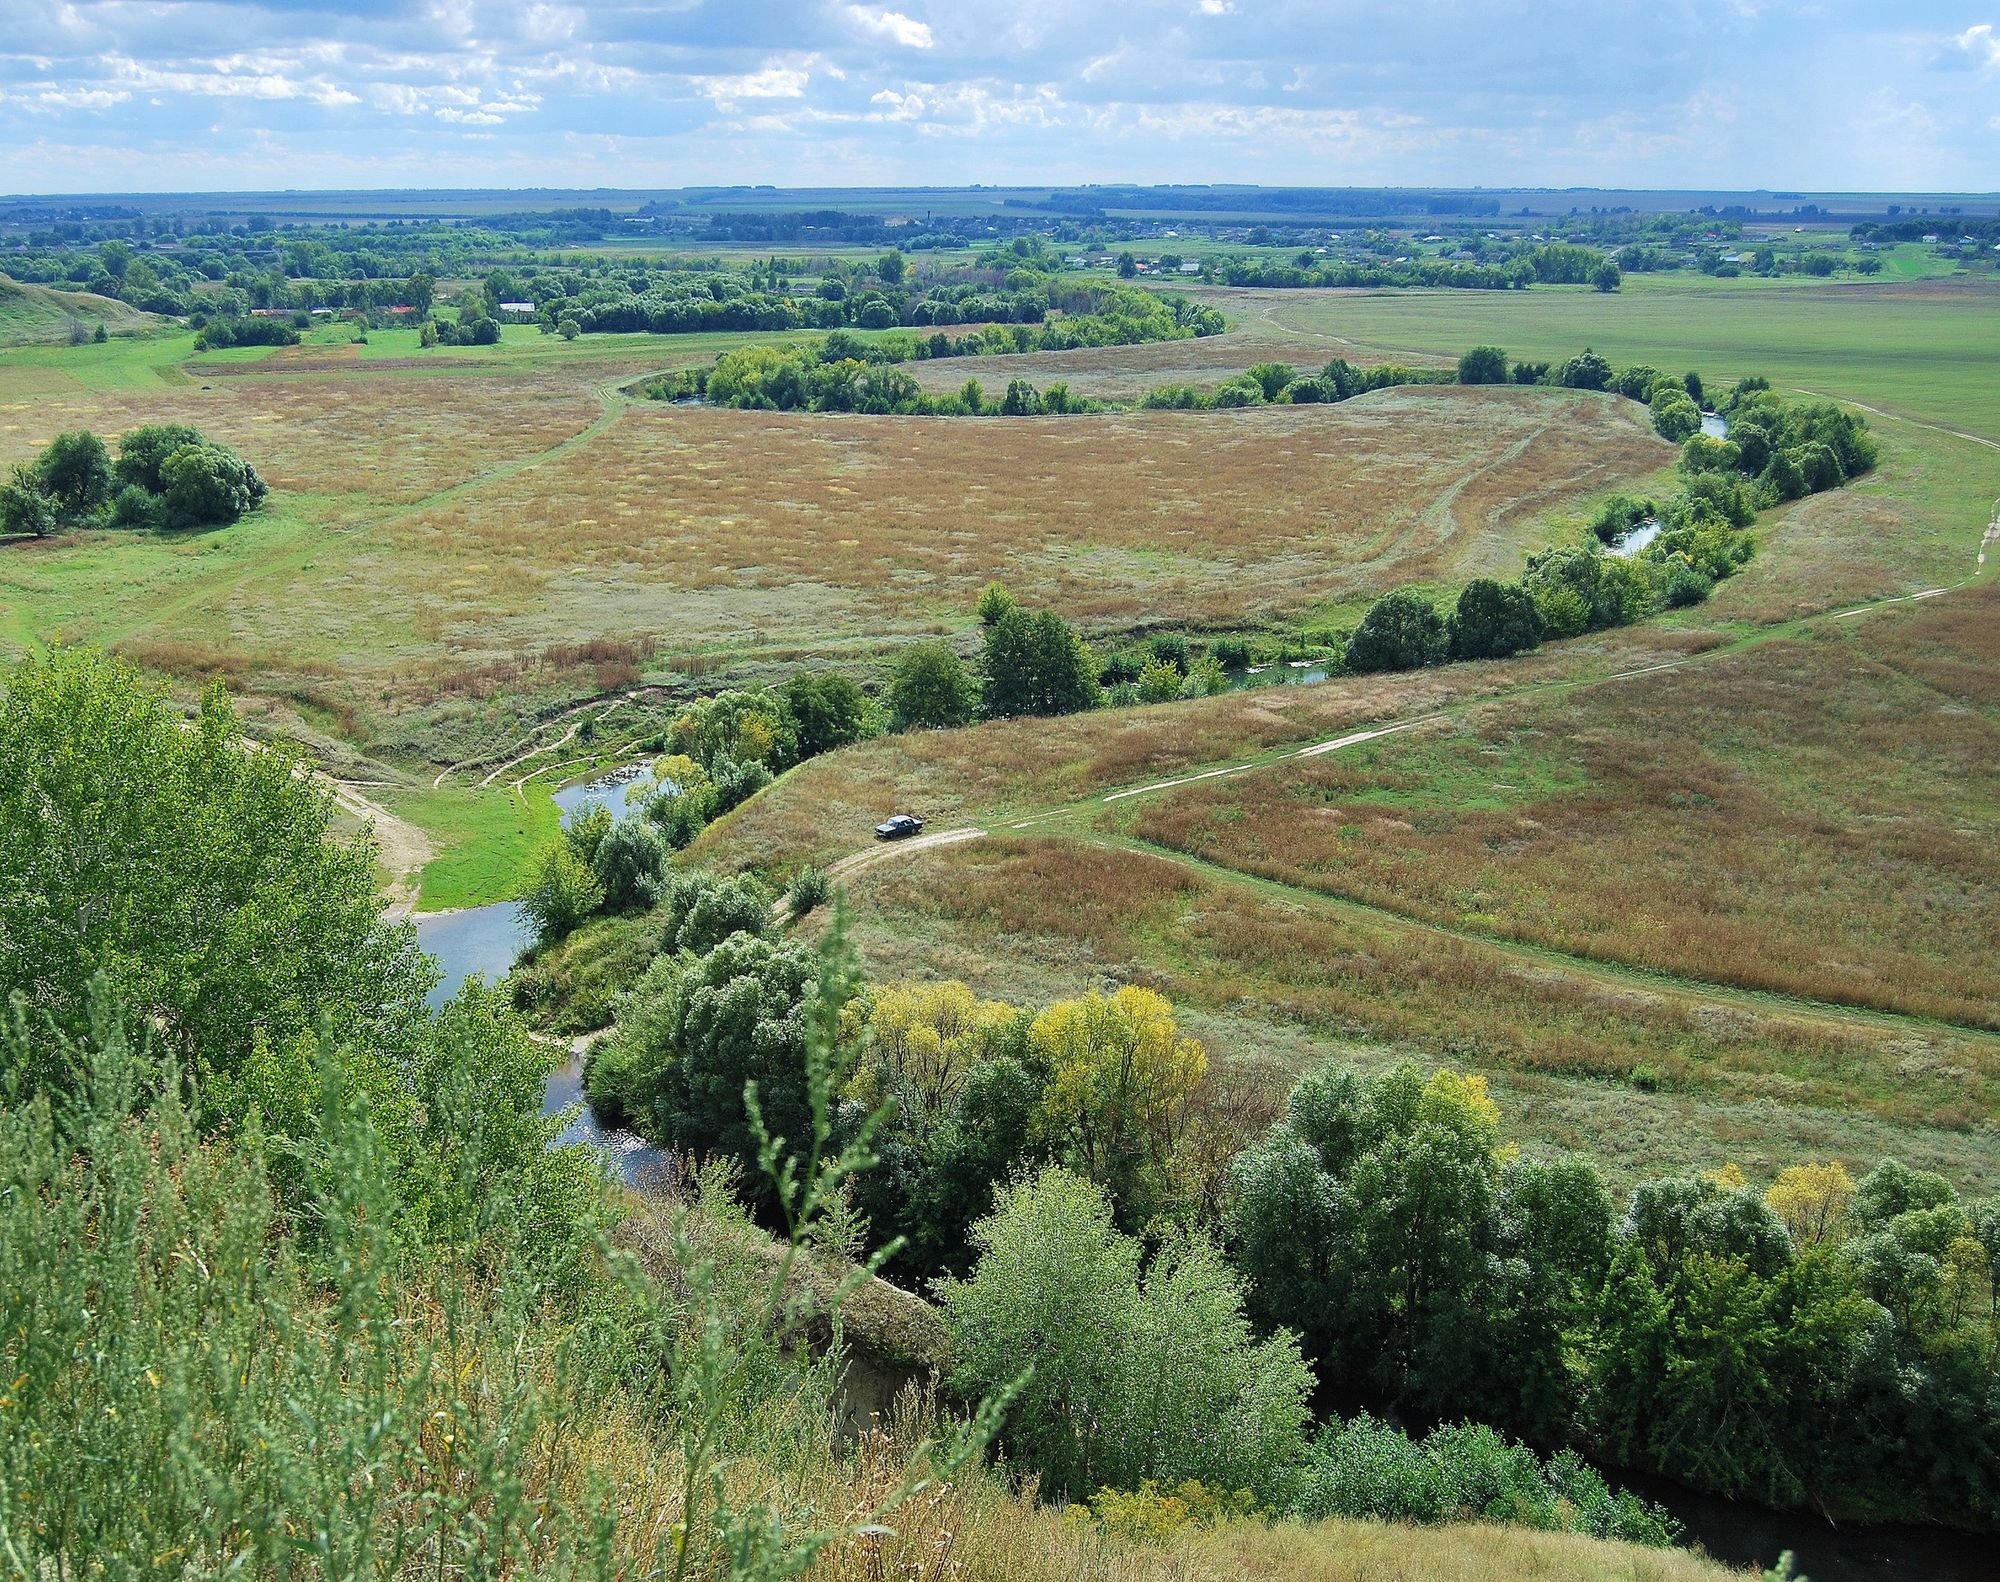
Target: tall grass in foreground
[(201, 1374)]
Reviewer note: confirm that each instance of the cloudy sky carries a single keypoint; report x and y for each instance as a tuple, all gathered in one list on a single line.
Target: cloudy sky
[(159, 95)]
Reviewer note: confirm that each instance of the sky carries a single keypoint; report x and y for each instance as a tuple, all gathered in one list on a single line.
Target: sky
[(243, 95)]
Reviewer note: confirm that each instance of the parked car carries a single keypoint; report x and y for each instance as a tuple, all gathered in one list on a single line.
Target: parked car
[(901, 825)]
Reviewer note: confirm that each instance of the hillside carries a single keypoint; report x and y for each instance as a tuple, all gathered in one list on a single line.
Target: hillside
[(40, 315)]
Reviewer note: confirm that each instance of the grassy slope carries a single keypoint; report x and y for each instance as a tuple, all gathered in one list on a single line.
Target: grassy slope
[(39, 315)]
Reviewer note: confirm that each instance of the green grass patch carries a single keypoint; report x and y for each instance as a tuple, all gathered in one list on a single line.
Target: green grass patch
[(486, 840)]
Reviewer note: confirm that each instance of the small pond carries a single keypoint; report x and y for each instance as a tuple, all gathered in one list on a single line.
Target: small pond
[(1281, 673), (1715, 425), (1629, 544)]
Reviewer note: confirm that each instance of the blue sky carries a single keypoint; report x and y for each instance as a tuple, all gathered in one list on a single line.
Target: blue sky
[(153, 95)]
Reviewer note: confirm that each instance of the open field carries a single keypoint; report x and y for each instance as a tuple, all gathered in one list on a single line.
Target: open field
[(441, 518), (1921, 349), (1819, 818)]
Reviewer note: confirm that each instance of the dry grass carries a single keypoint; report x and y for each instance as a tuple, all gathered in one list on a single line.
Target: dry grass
[(1013, 768), (707, 526), (369, 436), (1819, 819), (1637, 1073)]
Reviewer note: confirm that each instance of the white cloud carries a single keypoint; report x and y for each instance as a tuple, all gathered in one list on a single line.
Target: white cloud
[(892, 25), (772, 82), (1216, 7)]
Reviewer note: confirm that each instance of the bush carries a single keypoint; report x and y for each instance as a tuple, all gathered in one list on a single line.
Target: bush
[(75, 472), (1363, 1469), (809, 889), (1158, 682), (1401, 631), (1686, 585), (698, 911), (1158, 1379), (143, 453), (134, 508), (1675, 417)]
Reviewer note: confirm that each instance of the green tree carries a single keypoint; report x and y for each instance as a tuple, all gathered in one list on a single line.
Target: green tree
[(143, 453), (564, 891), (738, 1020), (208, 486), (1483, 365), (890, 267), (197, 878), (1493, 619), (630, 863), (1401, 631), (1605, 277), (24, 506), (828, 710), (1586, 371), (75, 472), (1130, 1380), (930, 688), (1675, 417), (1128, 266), (1035, 664), (994, 602)]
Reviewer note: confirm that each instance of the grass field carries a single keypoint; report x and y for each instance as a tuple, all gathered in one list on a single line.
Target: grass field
[(1820, 820)]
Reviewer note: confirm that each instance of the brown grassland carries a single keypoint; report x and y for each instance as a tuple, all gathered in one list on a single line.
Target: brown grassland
[(459, 517), (705, 525), (1813, 816)]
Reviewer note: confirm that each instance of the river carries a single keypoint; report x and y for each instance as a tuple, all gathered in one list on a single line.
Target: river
[(487, 939)]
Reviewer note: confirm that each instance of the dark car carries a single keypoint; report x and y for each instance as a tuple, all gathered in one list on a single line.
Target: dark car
[(901, 825)]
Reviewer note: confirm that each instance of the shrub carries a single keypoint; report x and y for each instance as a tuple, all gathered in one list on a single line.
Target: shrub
[(1232, 653), (1686, 585), (698, 911), (1401, 631), (1271, 378), (143, 453), (809, 889), (133, 507), (563, 892), (1363, 1469), (1158, 682)]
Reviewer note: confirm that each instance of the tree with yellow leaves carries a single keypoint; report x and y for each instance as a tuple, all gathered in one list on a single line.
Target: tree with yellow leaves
[(1120, 1080), (928, 1037), (1812, 1200)]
